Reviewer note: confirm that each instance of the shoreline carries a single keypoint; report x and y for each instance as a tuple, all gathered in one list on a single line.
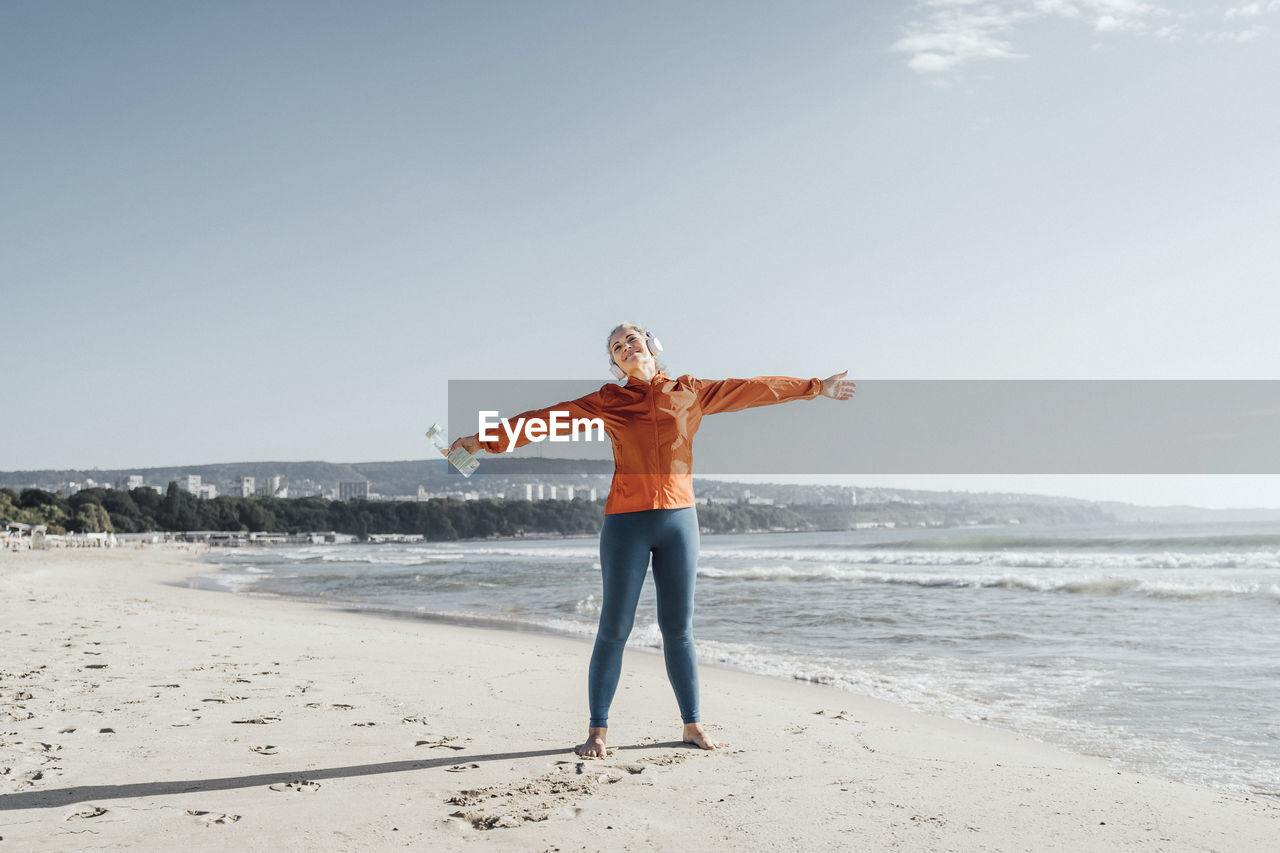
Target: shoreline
[(529, 627), (295, 723), (1156, 750)]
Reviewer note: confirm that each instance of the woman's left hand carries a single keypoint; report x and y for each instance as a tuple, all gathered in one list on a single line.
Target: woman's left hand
[(837, 387)]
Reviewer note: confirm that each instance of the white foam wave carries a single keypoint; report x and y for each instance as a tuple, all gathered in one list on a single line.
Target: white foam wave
[(1181, 588), (1246, 560), (1003, 698), (563, 553), (234, 581)]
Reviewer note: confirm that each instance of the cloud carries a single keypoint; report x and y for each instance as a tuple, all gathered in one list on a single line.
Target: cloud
[(958, 31), (1064, 8), (1248, 10), (1240, 36), (1254, 9), (946, 34)]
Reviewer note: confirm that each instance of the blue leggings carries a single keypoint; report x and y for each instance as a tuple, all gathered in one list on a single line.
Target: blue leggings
[(626, 541)]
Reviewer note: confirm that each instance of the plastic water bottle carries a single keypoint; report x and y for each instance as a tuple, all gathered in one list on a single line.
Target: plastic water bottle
[(460, 458)]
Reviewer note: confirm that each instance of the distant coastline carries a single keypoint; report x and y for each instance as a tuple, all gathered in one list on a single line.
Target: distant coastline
[(512, 498)]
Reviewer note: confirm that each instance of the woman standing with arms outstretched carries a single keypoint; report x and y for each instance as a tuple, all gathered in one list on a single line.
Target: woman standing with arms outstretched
[(651, 420)]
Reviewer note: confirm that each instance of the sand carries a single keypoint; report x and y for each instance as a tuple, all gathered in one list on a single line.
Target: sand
[(137, 712)]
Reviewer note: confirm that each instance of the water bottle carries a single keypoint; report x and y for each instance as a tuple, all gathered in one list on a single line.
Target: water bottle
[(460, 458)]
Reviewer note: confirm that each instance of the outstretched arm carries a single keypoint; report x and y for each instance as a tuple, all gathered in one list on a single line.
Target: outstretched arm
[(734, 395), (589, 406)]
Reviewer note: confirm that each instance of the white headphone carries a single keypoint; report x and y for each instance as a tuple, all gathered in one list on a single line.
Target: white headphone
[(654, 345)]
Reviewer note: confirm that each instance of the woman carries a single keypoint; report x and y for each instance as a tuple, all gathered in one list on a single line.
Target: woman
[(651, 421)]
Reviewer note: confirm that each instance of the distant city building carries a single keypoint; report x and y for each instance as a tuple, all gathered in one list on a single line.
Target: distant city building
[(593, 494), (276, 486), (189, 483), (568, 493), (71, 488), (208, 491), (349, 489), (133, 481), (247, 487), (528, 491), (542, 493), (551, 492)]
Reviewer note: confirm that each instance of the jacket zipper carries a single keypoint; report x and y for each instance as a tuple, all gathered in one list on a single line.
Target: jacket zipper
[(657, 444)]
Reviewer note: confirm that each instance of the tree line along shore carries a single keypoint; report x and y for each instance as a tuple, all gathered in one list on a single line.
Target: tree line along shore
[(443, 519)]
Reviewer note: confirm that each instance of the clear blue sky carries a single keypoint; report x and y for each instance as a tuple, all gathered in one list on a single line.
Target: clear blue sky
[(274, 230)]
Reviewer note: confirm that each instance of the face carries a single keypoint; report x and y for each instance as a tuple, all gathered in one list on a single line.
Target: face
[(629, 351)]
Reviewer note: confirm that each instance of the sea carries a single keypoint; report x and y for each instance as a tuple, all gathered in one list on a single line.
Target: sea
[(1154, 646)]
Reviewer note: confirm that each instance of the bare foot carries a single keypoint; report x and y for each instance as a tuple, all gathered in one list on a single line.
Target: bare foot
[(594, 746), (694, 734)]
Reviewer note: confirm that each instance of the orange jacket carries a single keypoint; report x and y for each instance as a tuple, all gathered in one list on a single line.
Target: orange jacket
[(652, 426)]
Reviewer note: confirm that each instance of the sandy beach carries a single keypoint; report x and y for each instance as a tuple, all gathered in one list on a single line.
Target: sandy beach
[(138, 712)]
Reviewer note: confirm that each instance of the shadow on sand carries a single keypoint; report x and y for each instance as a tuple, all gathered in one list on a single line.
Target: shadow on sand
[(57, 797)]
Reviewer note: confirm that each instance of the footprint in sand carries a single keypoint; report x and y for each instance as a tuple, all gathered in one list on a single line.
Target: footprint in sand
[(538, 798), (257, 721), (442, 743), (92, 811), (269, 749), (461, 768), (212, 818), (300, 786), (839, 715), (581, 768)]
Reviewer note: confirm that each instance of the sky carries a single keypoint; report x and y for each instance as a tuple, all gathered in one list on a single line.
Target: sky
[(276, 230)]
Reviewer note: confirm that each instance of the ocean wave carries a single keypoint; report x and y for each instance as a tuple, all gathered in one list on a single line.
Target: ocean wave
[(229, 581), (1250, 560), (585, 552), (1097, 585), (1149, 543)]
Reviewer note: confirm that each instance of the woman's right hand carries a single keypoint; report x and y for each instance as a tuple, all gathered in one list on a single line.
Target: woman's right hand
[(469, 443)]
